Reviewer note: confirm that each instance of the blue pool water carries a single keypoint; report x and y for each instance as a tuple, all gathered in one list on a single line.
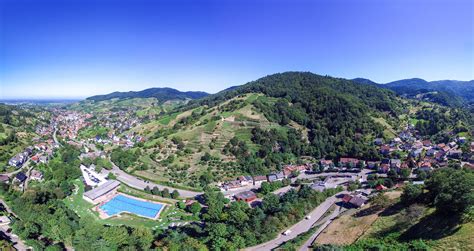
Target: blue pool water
[(121, 203)]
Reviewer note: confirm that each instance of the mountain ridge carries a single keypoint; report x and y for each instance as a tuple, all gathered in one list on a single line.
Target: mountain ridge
[(445, 92), (161, 93)]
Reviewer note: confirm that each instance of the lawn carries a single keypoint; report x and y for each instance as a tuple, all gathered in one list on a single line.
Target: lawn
[(84, 210)]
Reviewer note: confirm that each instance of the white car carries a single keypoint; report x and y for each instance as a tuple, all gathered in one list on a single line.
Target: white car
[(287, 232), (308, 217)]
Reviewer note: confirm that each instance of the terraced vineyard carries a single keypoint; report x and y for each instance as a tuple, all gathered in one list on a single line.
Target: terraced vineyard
[(208, 133)]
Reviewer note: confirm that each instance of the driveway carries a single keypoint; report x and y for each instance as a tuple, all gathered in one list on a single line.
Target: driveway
[(299, 228)]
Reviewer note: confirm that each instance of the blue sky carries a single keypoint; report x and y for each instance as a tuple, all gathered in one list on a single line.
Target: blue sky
[(72, 48)]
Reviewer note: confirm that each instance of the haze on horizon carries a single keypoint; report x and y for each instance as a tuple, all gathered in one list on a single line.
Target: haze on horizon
[(76, 49)]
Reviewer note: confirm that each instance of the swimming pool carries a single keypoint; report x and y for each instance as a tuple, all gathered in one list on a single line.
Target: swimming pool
[(121, 203)]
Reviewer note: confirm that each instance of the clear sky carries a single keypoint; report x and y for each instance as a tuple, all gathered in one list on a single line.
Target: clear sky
[(72, 48)]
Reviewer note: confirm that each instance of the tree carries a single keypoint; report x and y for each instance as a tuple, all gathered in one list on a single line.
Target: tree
[(206, 157), (271, 203), (142, 237), (175, 194), (194, 208), (155, 191), (380, 201), (392, 174), (215, 202), (422, 175), (405, 173), (411, 194), (147, 189), (165, 193), (450, 190), (4, 244), (181, 205), (353, 186), (265, 187), (217, 234), (111, 176), (118, 236)]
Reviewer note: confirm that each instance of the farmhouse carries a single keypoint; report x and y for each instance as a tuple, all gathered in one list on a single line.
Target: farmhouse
[(102, 192)]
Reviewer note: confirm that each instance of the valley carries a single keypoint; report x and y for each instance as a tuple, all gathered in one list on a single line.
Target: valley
[(270, 152)]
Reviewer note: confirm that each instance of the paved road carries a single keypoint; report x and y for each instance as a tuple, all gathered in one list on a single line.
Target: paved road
[(17, 242), (26, 164), (306, 246), (25, 186), (54, 136), (138, 183), (363, 174), (299, 228)]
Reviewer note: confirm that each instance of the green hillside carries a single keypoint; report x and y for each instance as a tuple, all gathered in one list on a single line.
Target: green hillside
[(260, 126), (17, 128)]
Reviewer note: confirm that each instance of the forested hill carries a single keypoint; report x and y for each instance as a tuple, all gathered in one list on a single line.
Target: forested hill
[(445, 92), (464, 89), (335, 111), (306, 87), (162, 94)]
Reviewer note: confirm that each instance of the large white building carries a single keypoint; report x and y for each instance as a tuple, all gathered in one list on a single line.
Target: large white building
[(102, 192)]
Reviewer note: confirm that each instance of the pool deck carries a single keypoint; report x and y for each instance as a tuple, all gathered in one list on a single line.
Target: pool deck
[(104, 215)]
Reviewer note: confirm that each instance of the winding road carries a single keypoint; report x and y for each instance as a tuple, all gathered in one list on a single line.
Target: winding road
[(140, 184), (17, 242), (300, 227), (55, 138), (307, 245)]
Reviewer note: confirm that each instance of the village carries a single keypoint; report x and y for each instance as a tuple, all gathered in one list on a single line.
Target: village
[(407, 158)]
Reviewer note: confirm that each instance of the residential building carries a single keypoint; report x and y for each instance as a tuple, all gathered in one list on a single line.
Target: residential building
[(36, 175), (258, 180), (357, 201), (276, 176), (247, 196), (21, 177)]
